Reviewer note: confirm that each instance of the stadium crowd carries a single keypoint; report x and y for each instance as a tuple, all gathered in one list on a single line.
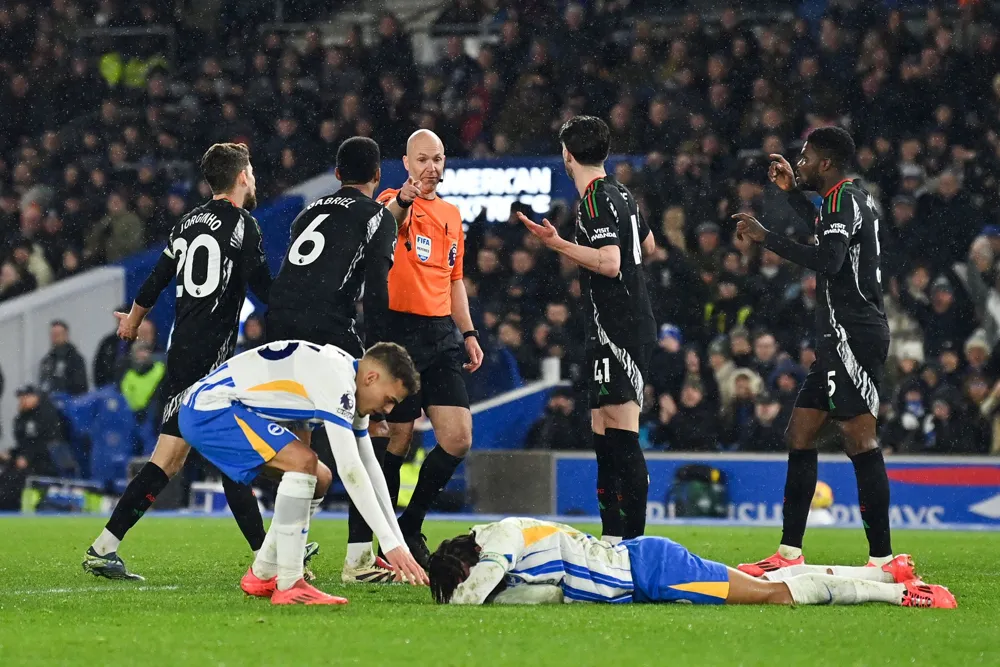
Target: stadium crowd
[(97, 153)]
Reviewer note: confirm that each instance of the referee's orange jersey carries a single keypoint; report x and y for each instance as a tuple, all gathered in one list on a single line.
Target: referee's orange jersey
[(430, 247)]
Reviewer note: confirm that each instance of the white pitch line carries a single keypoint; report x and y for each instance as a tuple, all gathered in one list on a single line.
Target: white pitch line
[(86, 589)]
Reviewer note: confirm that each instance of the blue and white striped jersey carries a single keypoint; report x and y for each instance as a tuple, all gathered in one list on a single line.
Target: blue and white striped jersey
[(529, 551)]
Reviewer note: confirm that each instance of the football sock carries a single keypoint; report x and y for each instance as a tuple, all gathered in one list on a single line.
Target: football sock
[(358, 553), (291, 525), (358, 531), (865, 573), (435, 472), (243, 504), (140, 493), (873, 497), (612, 527), (314, 506), (828, 589), (105, 543), (790, 553), (879, 561), (391, 466), (800, 485), (633, 480)]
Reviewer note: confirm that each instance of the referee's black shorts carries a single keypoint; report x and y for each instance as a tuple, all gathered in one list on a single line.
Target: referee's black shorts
[(438, 353), (297, 325)]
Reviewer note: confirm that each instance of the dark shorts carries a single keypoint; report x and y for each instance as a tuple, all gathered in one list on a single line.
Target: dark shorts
[(846, 378), (616, 375), (185, 367), (287, 325), (438, 353)]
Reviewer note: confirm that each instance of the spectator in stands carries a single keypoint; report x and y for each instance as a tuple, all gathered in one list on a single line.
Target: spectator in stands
[(62, 369), (559, 427), (731, 307), (689, 424), (141, 382), (253, 334), (29, 257), (117, 235), (738, 407), (112, 352), (943, 432), (13, 283), (37, 430), (943, 317), (509, 335), (765, 430)]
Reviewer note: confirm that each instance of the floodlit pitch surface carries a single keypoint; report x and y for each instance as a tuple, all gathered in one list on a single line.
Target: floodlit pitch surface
[(190, 611)]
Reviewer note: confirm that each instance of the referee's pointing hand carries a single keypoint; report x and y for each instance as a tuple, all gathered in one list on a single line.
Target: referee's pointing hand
[(410, 191)]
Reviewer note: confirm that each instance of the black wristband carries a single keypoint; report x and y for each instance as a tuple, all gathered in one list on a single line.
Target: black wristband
[(401, 203), (471, 333)]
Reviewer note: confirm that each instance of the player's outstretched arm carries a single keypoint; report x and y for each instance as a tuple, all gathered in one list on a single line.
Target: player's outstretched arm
[(483, 578), (352, 473), (605, 260), (825, 258), (377, 477), (376, 297), (530, 594), (149, 292)]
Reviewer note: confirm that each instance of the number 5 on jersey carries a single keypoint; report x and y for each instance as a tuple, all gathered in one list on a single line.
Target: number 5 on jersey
[(600, 376), (308, 234)]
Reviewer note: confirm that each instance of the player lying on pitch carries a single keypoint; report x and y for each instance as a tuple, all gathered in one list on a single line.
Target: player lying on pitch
[(525, 561), (232, 417)]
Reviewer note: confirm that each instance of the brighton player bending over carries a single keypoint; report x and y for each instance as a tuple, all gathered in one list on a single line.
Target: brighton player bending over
[(524, 561), (232, 418)]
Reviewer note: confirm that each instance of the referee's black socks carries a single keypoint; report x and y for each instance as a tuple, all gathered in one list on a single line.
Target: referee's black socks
[(873, 497), (633, 480), (435, 472)]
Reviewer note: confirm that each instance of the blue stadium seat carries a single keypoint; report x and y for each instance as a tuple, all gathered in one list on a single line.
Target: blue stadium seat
[(112, 435), (79, 414)]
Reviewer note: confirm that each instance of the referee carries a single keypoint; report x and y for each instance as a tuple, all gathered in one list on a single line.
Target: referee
[(427, 299)]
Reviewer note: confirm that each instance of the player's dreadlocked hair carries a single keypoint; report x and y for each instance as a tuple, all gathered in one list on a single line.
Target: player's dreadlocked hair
[(834, 143), (448, 566)]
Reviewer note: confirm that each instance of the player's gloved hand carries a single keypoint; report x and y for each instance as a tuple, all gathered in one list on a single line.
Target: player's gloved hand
[(780, 173), (409, 192), (406, 567), (126, 329)]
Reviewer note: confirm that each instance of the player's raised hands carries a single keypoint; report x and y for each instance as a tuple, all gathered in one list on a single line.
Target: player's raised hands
[(545, 231), (781, 173), (410, 190), (406, 568), (748, 227), (127, 330)]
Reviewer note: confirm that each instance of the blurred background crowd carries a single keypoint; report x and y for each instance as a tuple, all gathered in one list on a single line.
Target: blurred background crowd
[(100, 135)]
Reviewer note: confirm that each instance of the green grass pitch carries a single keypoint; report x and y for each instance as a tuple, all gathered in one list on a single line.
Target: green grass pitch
[(190, 610)]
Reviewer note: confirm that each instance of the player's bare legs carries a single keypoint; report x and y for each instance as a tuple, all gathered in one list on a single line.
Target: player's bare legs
[(277, 571), (861, 444), (800, 485), (622, 477)]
